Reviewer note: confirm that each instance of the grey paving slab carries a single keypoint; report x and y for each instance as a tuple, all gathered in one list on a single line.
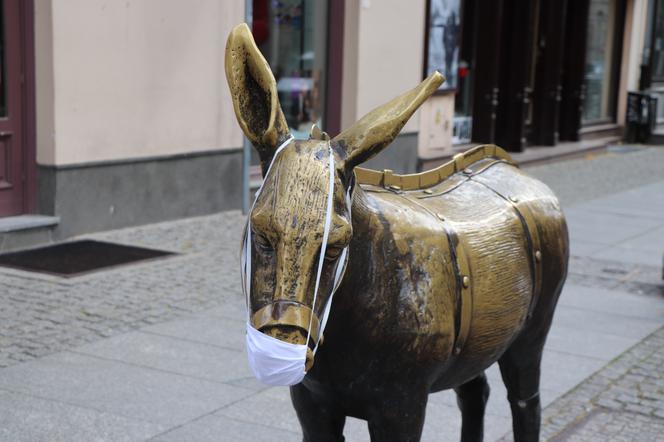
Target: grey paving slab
[(443, 423), (612, 301), (211, 330), (654, 213), (645, 201), (580, 247), (173, 355), (563, 371), (587, 343), (25, 418), (606, 228), (134, 392), (607, 323), (215, 428), (271, 407), (233, 308), (652, 240), (626, 253)]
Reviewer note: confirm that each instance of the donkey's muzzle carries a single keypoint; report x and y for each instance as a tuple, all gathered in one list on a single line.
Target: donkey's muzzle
[(283, 316)]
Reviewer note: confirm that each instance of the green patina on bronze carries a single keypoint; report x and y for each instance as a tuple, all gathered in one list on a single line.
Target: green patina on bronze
[(449, 270)]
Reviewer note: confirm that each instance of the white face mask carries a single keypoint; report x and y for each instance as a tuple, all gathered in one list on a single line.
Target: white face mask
[(272, 361)]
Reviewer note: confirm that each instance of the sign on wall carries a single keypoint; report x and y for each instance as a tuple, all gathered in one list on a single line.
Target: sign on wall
[(443, 40)]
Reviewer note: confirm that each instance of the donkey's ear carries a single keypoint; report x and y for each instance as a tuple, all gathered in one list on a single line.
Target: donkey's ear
[(254, 93), (380, 127)]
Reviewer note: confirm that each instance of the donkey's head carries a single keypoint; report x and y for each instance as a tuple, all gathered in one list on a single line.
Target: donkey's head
[(287, 220)]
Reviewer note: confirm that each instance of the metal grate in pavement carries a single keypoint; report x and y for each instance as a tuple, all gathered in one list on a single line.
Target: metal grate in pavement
[(78, 257)]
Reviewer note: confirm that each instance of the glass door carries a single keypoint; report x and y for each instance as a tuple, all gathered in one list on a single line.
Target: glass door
[(601, 74), (292, 35)]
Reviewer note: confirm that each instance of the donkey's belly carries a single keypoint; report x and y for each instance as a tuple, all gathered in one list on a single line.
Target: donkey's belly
[(493, 258), (473, 246)]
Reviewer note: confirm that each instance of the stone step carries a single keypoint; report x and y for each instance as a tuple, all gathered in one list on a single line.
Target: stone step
[(25, 231)]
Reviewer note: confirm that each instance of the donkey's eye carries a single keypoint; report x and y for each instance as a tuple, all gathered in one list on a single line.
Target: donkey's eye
[(262, 243), (332, 253)]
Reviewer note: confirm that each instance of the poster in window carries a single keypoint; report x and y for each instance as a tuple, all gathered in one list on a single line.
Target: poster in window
[(443, 45)]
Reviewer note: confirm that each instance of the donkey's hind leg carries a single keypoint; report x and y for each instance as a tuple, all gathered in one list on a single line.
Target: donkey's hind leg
[(520, 369), (472, 398)]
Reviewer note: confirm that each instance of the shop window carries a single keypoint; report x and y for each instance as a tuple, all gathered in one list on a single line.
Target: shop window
[(658, 44), (292, 35), (446, 54), (601, 58), (463, 101)]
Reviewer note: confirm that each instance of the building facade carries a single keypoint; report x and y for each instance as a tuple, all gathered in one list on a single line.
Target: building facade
[(117, 113)]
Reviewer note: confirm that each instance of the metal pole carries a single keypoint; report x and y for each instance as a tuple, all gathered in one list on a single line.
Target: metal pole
[(246, 145)]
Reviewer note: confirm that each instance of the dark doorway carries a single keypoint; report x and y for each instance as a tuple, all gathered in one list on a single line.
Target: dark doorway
[(549, 49), (544, 68), (16, 151), (574, 69), (486, 26), (519, 28)]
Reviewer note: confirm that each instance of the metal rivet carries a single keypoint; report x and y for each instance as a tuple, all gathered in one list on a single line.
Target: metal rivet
[(440, 216), (428, 191), (395, 187), (468, 171), (514, 199), (466, 282), (521, 404), (538, 255), (457, 350)]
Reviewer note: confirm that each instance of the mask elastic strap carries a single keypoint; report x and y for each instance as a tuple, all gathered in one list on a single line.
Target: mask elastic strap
[(245, 258), (326, 234), (340, 270)]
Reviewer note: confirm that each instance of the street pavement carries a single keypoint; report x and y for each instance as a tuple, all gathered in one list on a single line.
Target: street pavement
[(154, 351)]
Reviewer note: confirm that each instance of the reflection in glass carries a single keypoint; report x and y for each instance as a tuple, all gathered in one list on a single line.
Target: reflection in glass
[(598, 102), (292, 35), (658, 44)]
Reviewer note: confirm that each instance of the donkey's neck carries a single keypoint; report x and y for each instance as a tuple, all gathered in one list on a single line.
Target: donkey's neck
[(363, 265)]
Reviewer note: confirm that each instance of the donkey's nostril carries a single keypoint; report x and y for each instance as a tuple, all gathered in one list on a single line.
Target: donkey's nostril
[(292, 335)]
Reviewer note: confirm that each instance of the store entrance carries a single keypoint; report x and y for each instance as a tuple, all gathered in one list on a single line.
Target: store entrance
[(13, 151)]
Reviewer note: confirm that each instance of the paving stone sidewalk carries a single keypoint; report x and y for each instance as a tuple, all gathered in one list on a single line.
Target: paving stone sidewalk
[(41, 315), (623, 401), (154, 350)]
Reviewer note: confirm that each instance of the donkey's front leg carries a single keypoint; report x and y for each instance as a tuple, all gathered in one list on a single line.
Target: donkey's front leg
[(320, 421), (398, 418)]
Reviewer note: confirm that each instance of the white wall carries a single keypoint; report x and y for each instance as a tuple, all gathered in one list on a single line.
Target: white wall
[(636, 19), (383, 54), (133, 78)]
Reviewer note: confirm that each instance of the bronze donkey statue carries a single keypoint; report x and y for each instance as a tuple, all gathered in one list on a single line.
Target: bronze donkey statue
[(448, 272)]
